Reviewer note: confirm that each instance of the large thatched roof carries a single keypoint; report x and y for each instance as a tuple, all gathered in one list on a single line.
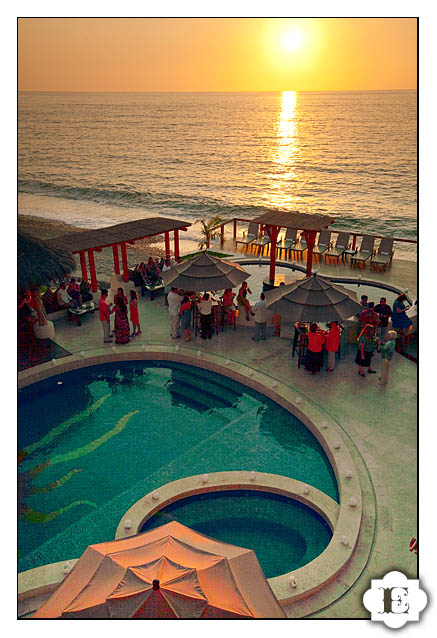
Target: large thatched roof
[(38, 262)]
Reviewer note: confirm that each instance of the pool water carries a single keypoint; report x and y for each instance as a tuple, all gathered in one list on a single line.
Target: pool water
[(94, 441), (244, 518)]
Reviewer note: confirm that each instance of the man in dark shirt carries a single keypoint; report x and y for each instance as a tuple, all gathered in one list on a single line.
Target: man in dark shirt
[(384, 312), (364, 303)]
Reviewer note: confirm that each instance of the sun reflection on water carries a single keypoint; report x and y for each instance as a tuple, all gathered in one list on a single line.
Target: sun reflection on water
[(280, 194)]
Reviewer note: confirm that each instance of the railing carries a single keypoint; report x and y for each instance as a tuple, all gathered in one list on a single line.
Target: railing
[(235, 221)]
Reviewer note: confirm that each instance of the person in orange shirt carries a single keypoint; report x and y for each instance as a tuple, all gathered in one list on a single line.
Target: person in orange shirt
[(332, 344), (316, 339)]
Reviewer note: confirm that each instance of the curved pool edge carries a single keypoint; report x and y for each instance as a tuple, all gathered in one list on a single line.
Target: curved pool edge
[(344, 521), (327, 432)]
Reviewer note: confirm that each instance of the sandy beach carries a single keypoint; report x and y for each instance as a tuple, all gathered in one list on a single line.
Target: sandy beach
[(48, 228)]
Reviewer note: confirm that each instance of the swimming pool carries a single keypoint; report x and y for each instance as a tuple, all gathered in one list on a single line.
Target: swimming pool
[(95, 440), (244, 518)]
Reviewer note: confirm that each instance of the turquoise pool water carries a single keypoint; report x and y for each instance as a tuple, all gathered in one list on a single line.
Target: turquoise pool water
[(93, 441), (244, 518)]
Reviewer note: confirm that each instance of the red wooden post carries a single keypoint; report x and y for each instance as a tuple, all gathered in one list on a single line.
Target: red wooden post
[(83, 265), (167, 244), (222, 234), (310, 237), (273, 232), (354, 241), (124, 261), (235, 227), (176, 244), (92, 270), (116, 260)]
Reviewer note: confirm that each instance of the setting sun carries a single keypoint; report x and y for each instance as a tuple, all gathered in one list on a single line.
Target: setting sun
[(292, 40)]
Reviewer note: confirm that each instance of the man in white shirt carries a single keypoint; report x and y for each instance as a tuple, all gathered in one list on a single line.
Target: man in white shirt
[(261, 315), (64, 299), (205, 307), (167, 265), (174, 303)]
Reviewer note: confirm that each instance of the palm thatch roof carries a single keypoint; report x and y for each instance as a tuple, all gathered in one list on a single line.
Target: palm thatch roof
[(38, 262)]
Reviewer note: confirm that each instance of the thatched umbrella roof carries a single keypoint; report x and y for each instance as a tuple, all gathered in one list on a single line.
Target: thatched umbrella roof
[(38, 263), (313, 299), (205, 272)]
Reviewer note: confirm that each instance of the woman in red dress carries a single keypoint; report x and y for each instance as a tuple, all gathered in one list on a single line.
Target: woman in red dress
[(134, 317), (121, 325)]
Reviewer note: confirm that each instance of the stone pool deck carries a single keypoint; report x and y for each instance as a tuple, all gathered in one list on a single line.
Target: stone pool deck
[(378, 426)]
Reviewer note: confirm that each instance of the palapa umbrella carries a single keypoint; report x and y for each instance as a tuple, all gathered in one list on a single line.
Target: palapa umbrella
[(168, 572), (38, 262), (205, 272), (313, 299)]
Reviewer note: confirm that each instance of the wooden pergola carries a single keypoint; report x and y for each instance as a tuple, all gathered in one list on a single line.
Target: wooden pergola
[(91, 241), (309, 224)]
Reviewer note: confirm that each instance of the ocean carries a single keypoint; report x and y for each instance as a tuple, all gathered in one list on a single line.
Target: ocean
[(96, 159)]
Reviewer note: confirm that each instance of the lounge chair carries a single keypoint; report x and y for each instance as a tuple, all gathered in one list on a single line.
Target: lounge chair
[(385, 253), (340, 247), (250, 235), (300, 246), (323, 243), (365, 251), (263, 240), (289, 241)]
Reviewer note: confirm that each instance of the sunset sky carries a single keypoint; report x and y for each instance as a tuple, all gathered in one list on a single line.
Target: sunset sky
[(216, 54)]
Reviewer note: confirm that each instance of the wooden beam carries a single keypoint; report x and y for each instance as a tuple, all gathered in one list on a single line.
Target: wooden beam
[(167, 245), (176, 245), (273, 232), (310, 238), (124, 262), (83, 265), (92, 270), (116, 260)]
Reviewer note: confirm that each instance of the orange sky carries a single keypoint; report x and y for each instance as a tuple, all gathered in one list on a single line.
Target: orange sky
[(216, 54)]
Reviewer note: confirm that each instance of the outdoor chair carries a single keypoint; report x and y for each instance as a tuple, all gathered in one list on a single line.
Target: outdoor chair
[(250, 235), (384, 254), (261, 242), (323, 243), (300, 246), (365, 251), (340, 247), (289, 241)]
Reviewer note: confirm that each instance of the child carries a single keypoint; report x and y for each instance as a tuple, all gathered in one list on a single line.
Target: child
[(134, 317)]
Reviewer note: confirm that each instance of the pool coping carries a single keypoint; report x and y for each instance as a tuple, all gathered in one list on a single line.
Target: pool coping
[(323, 569)]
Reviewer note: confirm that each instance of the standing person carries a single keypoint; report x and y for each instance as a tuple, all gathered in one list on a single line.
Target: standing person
[(332, 344), (205, 307), (120, 296), (364, 304), (366, 345), (134, 316), (185, 313), (383, 310), (36, 304), (121, 324), (104, 312), (316, 339), (260, 312), (387, 351), (167, 289), (242, 301), (399, 319), (228, 305), (174, 303), (369, 316)]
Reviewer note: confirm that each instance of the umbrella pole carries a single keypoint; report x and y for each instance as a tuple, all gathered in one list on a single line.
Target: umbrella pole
[(310, 238)]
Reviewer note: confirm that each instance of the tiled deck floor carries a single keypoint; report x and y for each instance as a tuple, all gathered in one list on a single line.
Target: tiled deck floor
[(379, 424)]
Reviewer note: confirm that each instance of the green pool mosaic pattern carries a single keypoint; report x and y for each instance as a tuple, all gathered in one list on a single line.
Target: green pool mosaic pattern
[(94, 441)]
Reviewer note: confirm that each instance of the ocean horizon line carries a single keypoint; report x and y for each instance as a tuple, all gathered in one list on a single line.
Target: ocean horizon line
[(231, 91)]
